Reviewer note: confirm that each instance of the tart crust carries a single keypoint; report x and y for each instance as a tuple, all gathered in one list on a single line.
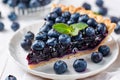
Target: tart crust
[(81, 10)]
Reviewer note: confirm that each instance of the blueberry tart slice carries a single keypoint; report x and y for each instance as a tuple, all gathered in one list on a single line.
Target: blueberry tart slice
[(68, 32)]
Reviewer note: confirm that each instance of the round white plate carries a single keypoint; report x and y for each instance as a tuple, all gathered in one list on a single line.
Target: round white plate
[(19, 56)]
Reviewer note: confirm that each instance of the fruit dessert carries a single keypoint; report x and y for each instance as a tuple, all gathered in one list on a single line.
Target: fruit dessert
[(68, 32)]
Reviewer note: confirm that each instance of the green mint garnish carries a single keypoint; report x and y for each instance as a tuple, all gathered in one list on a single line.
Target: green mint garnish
[(72, 30)]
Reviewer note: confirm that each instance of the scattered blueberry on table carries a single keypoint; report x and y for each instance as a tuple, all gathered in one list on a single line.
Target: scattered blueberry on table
[(12, 16), (99, 3), (10, 77), (15, 26), (1, 26), (87, 6), (103, 11)]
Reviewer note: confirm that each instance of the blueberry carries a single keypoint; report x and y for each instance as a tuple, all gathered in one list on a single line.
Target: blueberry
[(99, 3), (45, 2), (96, 57), (53, 33), (75, 16), (12, 3), (90, 31), (80, 65), (78, 37), (105, 50), (70, 22), (114, 19), (49, 23), (66, 15), (117, 29), (51, 42), (60, 67), (15, 26), (29, 35), (92, 22), (22, 5), (34, 3), (10, 77), (103, 11), (86, 6), (57, 10), (60, 20), (64, 39), (12, 16), (101, 28), (83, 18), (1, 26), (5, 1), (26, 44), (45, 28), (41, 36), (51, 16)]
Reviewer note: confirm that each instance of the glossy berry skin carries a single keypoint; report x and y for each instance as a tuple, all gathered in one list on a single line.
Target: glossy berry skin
[(70, 22), (78, 37), (80, 65), (60, 20), (12, 16), (12, 3), (38, 45), (45, 28), (105, 50), (83, 18), (51, 42), (114, 19), (34, 3), (66, 15), (117, 29), (99, 3), (101, 28), (22, 5), (26, 44), (51, 16), (64, 39), (29, 35), (53, 33), (75, 16), (96, 57), (86, 6), (90, 31), (49, 23), (92, 22), (41, 36), (1, 26), (60, 67), (15, 26), (57, 10), (10, 77), (103, 11)]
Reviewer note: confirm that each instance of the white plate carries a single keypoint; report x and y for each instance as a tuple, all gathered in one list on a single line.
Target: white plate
[(19, 56)]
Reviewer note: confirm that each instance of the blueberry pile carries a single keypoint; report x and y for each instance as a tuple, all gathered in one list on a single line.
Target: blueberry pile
[(50, 43)]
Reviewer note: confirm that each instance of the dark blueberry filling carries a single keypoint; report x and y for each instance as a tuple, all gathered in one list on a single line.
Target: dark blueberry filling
[(58, 45)]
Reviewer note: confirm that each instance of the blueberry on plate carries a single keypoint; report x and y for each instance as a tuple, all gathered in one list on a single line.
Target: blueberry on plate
[(26, 44), (15, 26), (96, 57), (117, 29), (75, 16), (64, 39), (41, 36), (60, 20), (99, 3), (114, 19), (86, 6), (90, 31), (53, 33), (60, 67), (38, 45), (51, 42), (57, 10), (1, 26), (80, 65), (70, 22), (45, 28), (92, 22), (22, 5), (105, 50), (12, 3), (10, 77), (83, 18), (34, 3), (29, 35), (103, 11), (101, 28), (12, 16)]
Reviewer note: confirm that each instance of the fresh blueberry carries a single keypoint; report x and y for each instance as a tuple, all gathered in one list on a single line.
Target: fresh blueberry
[(34, 3), (66, 15), (60, 20), (103, 11), (83, 18), (22, 5), (12, 16), (15, 26), (101, 28), (60, 67), (51, 16), (44, 28), (99, 3), (38, 45), (96, 57), (53, 33), (10, 77), (29, 35), (26, 44), (90, 31), (114, 19), (57, 10), (80, 65), (78, 37), (5, 1), (49, 23), (92, 22), (1, 26), (64, 39), (41, 36), (44, 2), (70, 22), (86, 6), (51, 42), (105, 50), (117, 29), (75, 16), (12, 3)]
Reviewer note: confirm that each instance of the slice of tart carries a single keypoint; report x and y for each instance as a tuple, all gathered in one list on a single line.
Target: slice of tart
[(68, 32)]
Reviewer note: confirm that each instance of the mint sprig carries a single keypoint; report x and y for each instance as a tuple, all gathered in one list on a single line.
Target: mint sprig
[(71, 30)]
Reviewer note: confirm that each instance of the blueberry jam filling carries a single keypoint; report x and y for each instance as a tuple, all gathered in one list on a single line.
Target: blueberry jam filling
[(52, 44)]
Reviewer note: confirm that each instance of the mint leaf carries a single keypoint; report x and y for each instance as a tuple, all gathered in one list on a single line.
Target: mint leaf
[(62, 28)]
